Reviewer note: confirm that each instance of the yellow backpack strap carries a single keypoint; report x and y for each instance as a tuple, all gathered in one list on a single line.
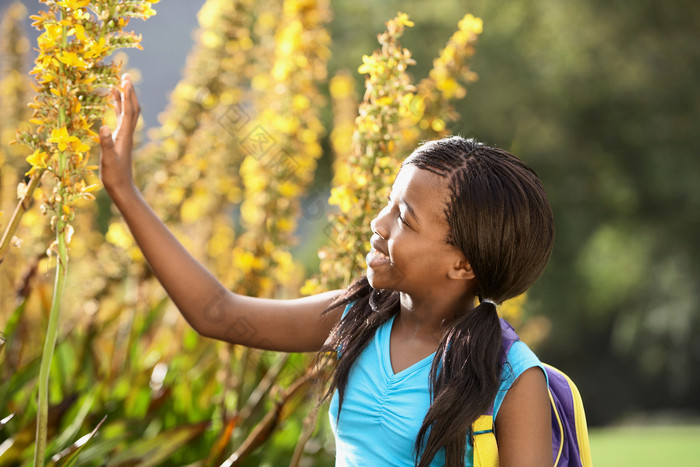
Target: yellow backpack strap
[(485, 447)]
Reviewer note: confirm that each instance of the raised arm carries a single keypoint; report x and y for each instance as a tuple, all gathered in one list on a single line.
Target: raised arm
[(286, 325)]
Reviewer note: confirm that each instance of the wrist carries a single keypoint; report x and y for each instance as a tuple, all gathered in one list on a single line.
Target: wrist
[(123, 193)]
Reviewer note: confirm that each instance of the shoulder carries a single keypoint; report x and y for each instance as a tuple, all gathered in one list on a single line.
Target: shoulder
[(523, 423), (520, 358)]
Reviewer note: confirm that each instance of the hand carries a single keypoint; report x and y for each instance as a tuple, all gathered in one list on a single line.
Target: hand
[(115, 162)]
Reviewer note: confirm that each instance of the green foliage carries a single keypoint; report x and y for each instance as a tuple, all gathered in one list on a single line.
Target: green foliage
[(139, 407)]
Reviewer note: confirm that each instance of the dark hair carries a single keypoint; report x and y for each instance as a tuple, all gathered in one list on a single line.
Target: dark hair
[(499, 217)]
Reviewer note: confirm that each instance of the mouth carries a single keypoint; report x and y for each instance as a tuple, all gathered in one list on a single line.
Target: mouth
[(377, 246), (378, 254)]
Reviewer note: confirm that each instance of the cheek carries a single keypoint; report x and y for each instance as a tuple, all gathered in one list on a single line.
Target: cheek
[(440, 254), (450, 250), (415, 252)]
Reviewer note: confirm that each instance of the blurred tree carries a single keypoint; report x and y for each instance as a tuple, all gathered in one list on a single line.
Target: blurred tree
[(600, 98)]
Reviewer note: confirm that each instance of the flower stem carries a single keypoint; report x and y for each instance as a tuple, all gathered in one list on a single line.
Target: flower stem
[(42, 415), (49, 345)]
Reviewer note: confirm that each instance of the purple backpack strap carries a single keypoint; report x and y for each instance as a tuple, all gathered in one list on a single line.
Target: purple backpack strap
[(509, 337)]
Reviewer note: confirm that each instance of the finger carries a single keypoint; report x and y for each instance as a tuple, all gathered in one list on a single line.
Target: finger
[(106, 142), (117, 97), (120, 121), (131, 102), (127, 90), (123, 111)]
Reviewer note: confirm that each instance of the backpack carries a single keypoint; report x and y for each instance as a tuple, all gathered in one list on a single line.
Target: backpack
[(570, 445)]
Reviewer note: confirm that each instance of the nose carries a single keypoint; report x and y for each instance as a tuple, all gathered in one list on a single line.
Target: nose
[(378, 226)]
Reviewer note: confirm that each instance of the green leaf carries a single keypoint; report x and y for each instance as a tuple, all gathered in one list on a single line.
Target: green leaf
[(113, 435), (19, 379), (136, 404), (7, 336), (150, 452), (13, 320), (78, 446), (72, 429)]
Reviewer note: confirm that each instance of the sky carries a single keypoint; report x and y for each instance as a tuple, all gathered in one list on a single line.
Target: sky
[(167, 39)]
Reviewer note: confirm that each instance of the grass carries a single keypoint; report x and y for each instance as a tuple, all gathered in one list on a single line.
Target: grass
[(640, 446)]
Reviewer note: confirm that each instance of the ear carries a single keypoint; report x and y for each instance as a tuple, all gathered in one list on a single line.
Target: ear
[(461, 270)]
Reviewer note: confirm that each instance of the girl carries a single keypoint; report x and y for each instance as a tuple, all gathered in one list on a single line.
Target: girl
[(418, 362)]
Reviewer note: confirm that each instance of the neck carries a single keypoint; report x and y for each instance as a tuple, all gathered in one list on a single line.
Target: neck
[(426, 316)]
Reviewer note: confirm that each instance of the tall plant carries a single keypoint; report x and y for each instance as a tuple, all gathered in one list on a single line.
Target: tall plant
[(281, 149), (364, 182), (71, 76)]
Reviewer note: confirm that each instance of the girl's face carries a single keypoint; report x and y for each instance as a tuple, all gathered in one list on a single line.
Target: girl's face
[(409, 249)]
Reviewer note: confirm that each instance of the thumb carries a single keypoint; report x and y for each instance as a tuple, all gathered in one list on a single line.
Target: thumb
[(106, 141)]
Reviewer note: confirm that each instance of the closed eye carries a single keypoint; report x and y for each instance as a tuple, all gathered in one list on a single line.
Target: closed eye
[(403, 221)]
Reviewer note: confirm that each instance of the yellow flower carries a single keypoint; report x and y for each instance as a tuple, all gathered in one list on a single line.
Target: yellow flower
[(286, 225), (43, 65), (368, 63), (402, 18), (51, 37), (79, 146), (145, 10), (246, 261), (38, 160), (79, 31), (72, 59), (97, 48), (438, 125), (82, 15), (448, 86), (288, 189), (73, 4), (471, 23), (60, 137), (342, 197)]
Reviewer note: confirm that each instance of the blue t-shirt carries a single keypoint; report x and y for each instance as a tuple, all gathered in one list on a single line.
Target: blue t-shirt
[(383, 411)]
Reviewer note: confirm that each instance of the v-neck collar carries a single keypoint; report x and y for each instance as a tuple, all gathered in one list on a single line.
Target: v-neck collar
[(384, 348)]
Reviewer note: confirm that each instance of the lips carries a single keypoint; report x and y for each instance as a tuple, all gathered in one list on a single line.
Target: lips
[(378, 246), (378, 256)]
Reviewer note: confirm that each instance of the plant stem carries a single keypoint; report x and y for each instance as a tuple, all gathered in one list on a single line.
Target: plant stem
[(49, 345), (19, 211), (42, 415)]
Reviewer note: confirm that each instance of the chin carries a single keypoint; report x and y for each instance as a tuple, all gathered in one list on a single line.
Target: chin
[(373, 282), (370, 278), (377, 285)]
